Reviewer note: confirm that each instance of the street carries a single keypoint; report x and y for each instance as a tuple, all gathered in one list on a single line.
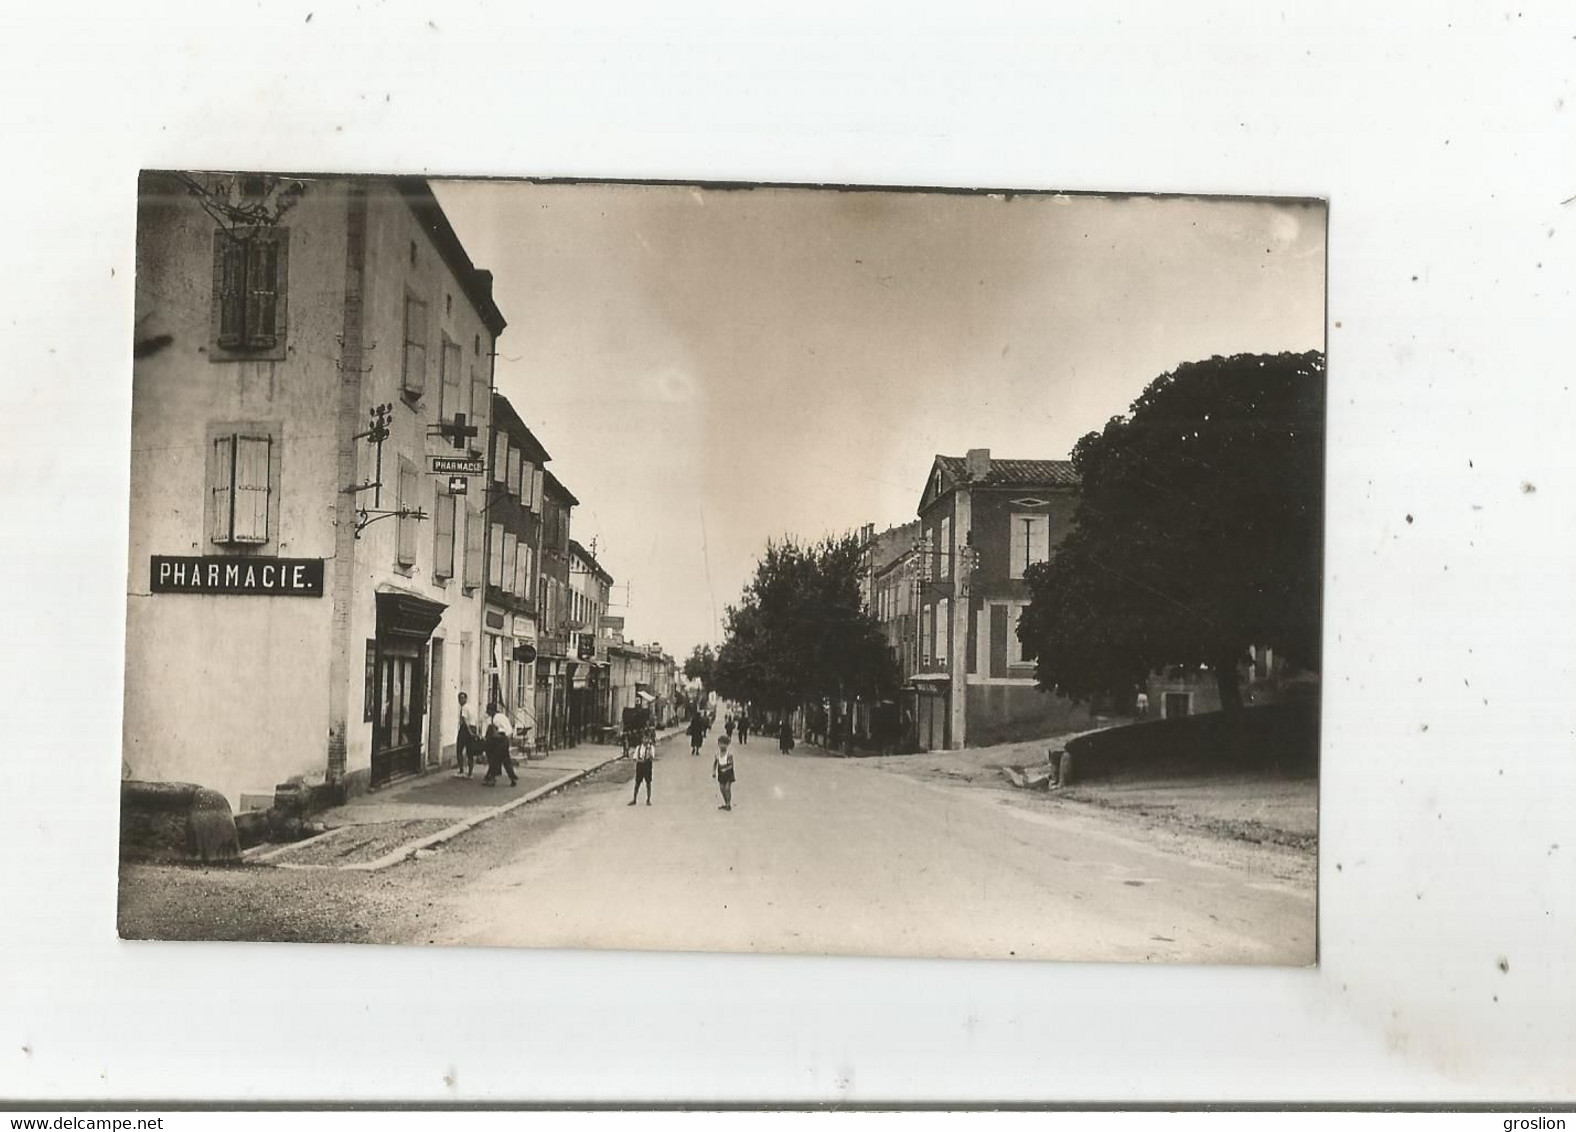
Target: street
[(819, 855)]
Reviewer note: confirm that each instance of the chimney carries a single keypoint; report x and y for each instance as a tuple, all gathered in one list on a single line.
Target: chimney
[(978, 464)]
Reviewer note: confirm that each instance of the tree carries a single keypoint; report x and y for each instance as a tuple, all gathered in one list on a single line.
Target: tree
[(800, 631), (1198, 532), (700, 665)]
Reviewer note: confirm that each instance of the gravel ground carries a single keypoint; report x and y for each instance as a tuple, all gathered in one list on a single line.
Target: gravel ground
[(263, 903)]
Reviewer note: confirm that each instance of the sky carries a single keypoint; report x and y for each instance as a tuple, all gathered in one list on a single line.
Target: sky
[(713, 368)]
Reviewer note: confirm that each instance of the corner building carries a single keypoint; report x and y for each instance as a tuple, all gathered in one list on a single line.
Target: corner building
[(304, 600)]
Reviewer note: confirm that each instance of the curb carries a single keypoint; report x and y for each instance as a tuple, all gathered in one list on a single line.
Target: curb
[(409, 849)]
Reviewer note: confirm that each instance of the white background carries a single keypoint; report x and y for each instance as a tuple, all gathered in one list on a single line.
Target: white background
[(1442, 135)]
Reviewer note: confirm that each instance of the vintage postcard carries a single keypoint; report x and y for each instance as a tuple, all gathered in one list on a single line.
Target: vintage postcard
[(768, 568)]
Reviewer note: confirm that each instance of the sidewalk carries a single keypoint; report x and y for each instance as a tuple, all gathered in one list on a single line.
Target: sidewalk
[(383, 827)]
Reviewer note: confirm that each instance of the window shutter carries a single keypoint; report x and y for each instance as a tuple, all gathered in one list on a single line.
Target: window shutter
[(474, 530), (1019, 546), (443, 536), (495, 557), (536, 490), (500, 457), (449, 398), (229, 255), (405, 550), (522, 572), (415, 373), (223, 503), (511, 546), (945, 570), (252, 455), (515, 463), (481, 401), (262, 290)]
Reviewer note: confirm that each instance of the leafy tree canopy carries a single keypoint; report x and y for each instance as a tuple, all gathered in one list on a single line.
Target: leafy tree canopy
[(800, 630), (1199, 531), (701, 665)]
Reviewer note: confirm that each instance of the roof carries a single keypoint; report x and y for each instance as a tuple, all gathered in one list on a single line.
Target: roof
[(476, 283), (505, 417), (590, 560), (553, 487), (1015, 473)]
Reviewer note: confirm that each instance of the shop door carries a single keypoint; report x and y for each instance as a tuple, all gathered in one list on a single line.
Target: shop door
[(397, 726)]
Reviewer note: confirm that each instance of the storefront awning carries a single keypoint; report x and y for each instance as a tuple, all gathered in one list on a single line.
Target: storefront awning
[(407, 616), (645, 697)]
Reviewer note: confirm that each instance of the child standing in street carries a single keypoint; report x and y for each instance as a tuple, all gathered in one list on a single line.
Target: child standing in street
[(722, 771), (645, 754)]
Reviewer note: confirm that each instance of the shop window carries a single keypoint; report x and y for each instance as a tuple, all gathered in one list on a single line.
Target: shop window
[(243, 476), (250, 275), (415, 359)]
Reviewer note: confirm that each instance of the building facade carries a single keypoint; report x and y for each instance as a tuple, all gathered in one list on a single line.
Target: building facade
[(555, 665), (312, 366), (514, 504), (590, 694), (983, 522)]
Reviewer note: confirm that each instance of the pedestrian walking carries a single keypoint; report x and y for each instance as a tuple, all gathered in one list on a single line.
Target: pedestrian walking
[(498, 759), (744, 728), (697, 732), (466, 742), (727, 725), (785, 734), (722, 771)]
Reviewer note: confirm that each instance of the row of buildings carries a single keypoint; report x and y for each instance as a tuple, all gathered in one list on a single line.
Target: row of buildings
[(337, 523), (949, 589)]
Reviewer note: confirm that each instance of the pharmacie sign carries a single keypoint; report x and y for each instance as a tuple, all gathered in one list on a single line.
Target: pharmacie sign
[(268, 577)]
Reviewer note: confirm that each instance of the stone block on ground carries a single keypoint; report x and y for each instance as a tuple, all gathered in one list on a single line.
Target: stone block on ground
[(176, 821)]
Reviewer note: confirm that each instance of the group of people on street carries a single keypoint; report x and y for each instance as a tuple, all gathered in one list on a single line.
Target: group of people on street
[(722, 769), (492, 742)]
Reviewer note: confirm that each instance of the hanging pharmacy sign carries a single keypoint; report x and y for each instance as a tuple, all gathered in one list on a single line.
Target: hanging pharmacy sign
[(264, 577), (458, 466)]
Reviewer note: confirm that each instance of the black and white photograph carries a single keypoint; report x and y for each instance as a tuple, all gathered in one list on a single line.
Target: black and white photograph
[(740, 568)]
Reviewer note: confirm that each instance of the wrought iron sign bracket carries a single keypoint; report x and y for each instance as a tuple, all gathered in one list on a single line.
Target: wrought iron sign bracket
[(366, 517)]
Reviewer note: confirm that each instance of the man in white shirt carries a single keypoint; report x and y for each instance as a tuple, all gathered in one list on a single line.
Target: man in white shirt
[(466, 742), (498, 732)]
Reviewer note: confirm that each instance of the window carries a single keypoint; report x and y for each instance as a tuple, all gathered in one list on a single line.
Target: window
[(536, 489), (473, 550), (927, 625), (241, 483), (500, 461), (495, 557), (943, 631), (522, 572), (541, 602), (1031, 542), (515, 463), (249, 278), (1014, 645), (443, 535), (405, 546), (944, 566), (481, 401), (415, 364), (511, 547), (450, 388)]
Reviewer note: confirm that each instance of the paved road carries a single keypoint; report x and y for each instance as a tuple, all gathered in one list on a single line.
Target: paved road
[(842, 857)]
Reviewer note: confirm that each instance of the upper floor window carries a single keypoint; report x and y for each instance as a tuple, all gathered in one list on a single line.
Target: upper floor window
[(249, 292), (415, 360), (451, 388), (1030, 543), (944, 566), (242, 477)]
